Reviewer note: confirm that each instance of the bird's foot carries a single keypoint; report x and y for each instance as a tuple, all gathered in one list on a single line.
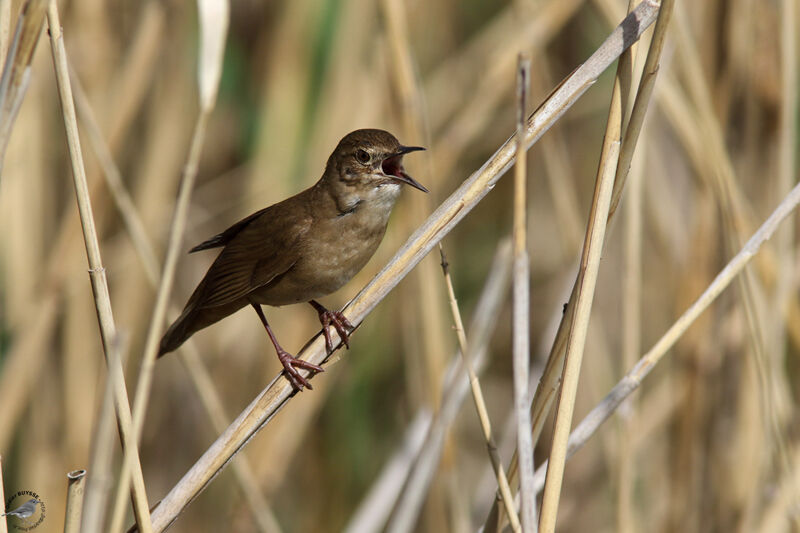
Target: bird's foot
[(290, 363), (339, 322)]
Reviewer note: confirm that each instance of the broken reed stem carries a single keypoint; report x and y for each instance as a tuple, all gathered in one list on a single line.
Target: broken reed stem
[(76, 483), (480, 404), (521, 305), (447, 215), (97, 273), (631, 381)]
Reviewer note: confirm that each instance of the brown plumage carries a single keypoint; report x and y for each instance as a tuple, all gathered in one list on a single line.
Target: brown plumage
[(304, 247)]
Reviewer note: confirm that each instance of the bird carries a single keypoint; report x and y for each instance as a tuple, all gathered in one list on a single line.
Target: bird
[(304, 247), (25, 510)]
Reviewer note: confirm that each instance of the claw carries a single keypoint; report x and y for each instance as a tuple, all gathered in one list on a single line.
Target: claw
[(340, 323), (289, 363), (337, 320)]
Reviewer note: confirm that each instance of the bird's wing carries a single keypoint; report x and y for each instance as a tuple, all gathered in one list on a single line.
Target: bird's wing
[(221, 239), (265, 248)]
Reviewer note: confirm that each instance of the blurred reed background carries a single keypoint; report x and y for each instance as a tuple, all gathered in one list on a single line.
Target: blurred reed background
[(709, 443)]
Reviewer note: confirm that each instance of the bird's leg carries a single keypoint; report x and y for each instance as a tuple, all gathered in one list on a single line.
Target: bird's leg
[(335, 319), (288, 361)]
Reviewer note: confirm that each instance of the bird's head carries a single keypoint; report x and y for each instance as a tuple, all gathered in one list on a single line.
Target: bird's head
[(371, 159)]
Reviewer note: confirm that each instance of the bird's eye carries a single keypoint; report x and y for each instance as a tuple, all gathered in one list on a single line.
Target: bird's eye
[(362, 156)]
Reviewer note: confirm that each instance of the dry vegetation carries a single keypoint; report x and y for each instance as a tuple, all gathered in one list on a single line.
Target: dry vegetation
[(388, 439)]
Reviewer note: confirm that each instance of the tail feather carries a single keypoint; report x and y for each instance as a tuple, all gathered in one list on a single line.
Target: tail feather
[(178, 332), (194, 319)]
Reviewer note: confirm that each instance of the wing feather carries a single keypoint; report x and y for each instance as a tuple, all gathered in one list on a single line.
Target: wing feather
[(265, 247), (221, 239)]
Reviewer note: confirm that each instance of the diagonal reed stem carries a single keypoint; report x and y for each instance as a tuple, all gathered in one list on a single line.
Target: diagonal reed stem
[(631, 381), (521, 305), (480, 404)]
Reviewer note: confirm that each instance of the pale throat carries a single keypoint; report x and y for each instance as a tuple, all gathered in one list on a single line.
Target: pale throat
[(383, 196)]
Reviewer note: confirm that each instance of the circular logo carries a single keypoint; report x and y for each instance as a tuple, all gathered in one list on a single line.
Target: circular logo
[(24, 510)]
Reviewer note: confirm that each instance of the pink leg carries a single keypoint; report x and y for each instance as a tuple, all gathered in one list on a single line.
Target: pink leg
[(288, 361)]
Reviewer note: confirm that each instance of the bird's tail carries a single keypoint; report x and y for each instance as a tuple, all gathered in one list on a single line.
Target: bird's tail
[(178, 332), (194, 319)]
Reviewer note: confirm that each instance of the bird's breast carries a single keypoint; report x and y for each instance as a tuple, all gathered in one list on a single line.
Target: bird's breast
[(333, 251)]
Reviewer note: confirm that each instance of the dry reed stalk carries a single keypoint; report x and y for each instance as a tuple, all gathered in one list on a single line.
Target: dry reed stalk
[(580, 304), (545, 392), (781, 513), (17, 66), (419, 474), (243, 471), (96, 271), (631, 381), (773, 389), (492, 52), (558, 171), (480, 404), (76, 483), (101, 480), (787, 167), (425, 316), (374, 509), (188, 354), (548, 384), (631, 342), (426, 341), (521, 305), (277, 393), (787, 176), (3, 523), (131, 83), (683, 119), (498, 65), (631, 318), (214, 27), (23, 363), (113, 177), (5, 27), (428, 315), (12, 397), (421, 436), (584, 295)]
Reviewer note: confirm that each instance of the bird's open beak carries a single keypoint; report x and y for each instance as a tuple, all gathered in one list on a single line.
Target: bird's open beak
[(393, 166), (406, 149)]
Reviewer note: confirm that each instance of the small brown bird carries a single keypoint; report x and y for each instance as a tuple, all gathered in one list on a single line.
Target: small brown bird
[(304, 247)]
